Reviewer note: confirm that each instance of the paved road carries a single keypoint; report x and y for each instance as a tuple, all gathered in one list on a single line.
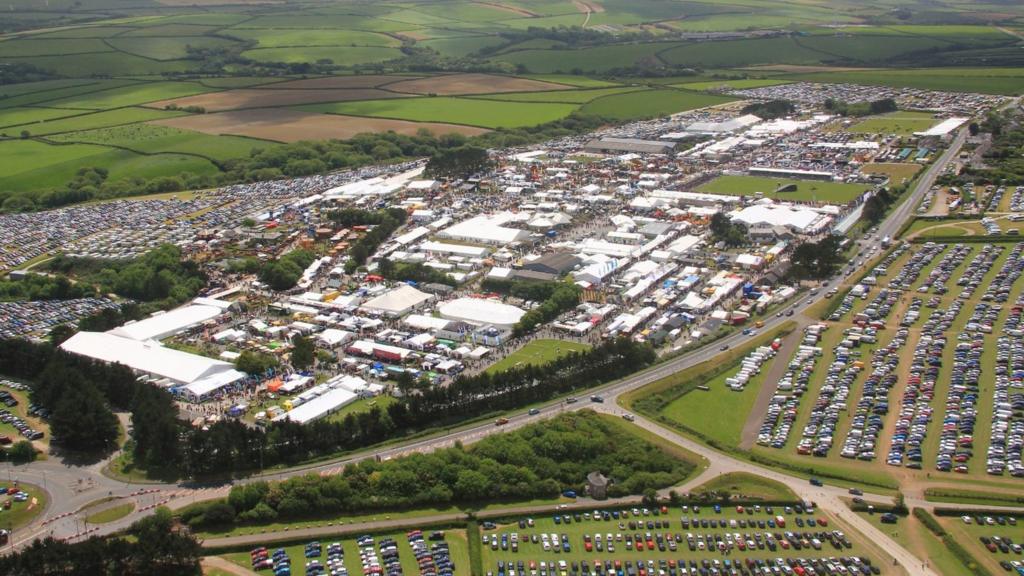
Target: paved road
[(72, 487)]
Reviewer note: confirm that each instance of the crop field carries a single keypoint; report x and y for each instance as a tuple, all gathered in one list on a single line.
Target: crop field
[(33, 93), (165, 48), (151, 139), (717, 85), (22, 116), (900, 123), (93, 120), (461, 46), (806, 190), (269, 97), (598, 59), (650, 103), (564, 96), (570, 80), (1007, 81), (130, 95), (482, 113), (284, 125), (537, 352), (333, 82), (457, 84)]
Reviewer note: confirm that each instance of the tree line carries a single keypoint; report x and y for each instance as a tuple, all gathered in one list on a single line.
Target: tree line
[(41, 287), (284, 273), (151, 547), (538, 461), (381, 225)]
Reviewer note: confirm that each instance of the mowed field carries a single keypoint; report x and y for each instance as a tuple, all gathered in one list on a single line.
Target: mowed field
[(537, 352), (806, 190), (900, 123)]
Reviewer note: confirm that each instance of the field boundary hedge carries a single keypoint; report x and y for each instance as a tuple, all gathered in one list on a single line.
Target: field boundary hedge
[(955, 548)]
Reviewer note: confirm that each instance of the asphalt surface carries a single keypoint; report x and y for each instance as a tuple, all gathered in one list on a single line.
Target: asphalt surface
[(70, 488)]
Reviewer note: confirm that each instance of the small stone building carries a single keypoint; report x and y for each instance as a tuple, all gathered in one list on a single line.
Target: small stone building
[(597, 486)]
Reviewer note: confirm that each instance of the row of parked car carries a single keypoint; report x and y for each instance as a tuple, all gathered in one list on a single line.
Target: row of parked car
[(1007, 438), (1017, 199), (434, 559), (819, 431), (937, 278), (23, 427), (867, 421), (789, 566), (782, 411)]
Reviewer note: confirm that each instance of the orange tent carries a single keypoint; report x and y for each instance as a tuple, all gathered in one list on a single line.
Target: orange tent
[(274, 385)]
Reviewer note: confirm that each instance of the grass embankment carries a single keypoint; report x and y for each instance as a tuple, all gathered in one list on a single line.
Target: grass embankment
[(747, 486), (110, 514)]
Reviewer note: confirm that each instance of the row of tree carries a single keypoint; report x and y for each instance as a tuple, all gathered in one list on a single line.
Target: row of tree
[(284, 273), (882, 106), (159, 441), (539, 461), (41, 287), (563, 298), (381, 224)]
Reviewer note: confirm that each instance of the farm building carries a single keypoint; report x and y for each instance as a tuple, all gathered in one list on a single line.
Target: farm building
[(556, 263)]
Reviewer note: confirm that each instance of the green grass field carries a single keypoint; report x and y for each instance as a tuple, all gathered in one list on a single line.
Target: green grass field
[(484, 113), (23, 513), (730, 84), (166, 48), (896, 171), (149, 139), (1009, 81), (562, 96), (89, 121), (271, 38), (537, 352), (650, 103), (748, 486), (342, 55), (834, 192), (29, 165), (111, 514), (22, 116), (719, 413), (570, 80), (900, 123), (596, 59), (131, 95), (459, 47)]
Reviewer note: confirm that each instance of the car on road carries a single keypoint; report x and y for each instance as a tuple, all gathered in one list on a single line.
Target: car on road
[(571, 400), (629, 417), (501, 421), (724, 347), (856, 491), (596, 398), (816, 482), (534, 411)]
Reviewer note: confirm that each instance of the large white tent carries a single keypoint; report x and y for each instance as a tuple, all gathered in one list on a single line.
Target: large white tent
[(397, 302), (163, 325), (200, 376), (481, 311)]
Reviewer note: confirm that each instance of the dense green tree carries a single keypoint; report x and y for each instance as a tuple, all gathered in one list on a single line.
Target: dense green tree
[(817, 260), (303, 352), (255, 363)]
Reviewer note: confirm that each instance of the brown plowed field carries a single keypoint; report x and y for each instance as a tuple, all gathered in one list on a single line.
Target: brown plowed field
[(367, 81), (265, 98), (472, 84), (293, 125)]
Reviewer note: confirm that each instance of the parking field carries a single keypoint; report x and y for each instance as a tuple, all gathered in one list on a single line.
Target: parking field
[(992, 538), (397, 550), (640, 541), (920, 370)]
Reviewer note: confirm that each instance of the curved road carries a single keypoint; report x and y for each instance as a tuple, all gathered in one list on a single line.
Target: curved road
[(70, 487)]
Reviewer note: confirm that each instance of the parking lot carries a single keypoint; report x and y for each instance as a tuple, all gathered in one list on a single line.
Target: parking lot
[(673, 541), (995, 540)]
